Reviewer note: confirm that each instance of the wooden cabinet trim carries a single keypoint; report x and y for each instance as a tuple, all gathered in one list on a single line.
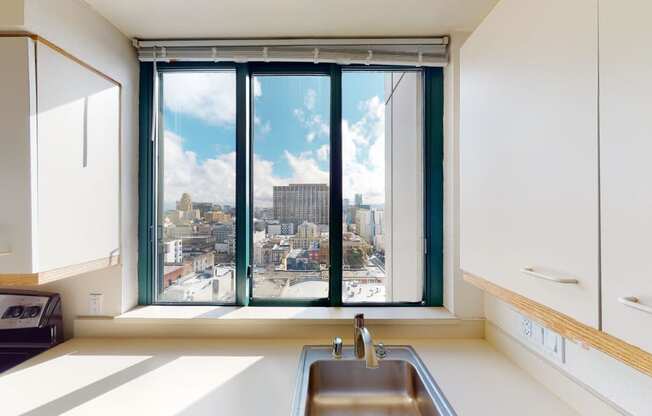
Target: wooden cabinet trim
[(35, 279), (568, 327)]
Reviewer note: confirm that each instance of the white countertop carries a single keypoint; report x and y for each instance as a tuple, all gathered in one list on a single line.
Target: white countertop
[(241, 377)]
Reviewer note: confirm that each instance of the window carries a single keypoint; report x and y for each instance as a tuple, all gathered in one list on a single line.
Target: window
[(196, 187), (382, 187), (291, 189), (290, 184)]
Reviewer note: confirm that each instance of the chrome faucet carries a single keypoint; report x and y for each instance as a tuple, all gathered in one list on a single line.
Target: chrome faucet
[(363, 345)]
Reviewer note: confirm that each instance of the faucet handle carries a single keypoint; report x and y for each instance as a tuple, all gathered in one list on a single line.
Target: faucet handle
[(337, 347)]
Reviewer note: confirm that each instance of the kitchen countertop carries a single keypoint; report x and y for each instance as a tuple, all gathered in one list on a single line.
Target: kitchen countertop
[(89, 376)]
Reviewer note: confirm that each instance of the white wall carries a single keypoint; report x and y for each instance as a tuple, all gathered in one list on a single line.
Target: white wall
[(76, 28), (460, 297), (623, 387), (12, 14)]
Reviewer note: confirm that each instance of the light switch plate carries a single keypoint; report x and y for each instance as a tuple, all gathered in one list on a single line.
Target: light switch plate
[(554, 345), (95, 303), (544, 340)]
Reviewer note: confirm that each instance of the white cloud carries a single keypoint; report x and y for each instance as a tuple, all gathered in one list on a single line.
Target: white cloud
[(209, 96), (263, 128), (258, 89), (363, 153), (266, 128), (313, 123), (310, 99), (324, 152), (305, 169), (212, 180)]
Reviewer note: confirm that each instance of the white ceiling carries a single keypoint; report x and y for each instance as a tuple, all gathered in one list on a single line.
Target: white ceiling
[(160, 19)]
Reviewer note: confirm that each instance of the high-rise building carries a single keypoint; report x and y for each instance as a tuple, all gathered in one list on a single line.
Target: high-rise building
[(379, 221), (308, 235), (218, 216), (203, 207), (364, 224), (276, 228), (223, 232), (358, 200), (185, 203), (296, 203), (173, 252)]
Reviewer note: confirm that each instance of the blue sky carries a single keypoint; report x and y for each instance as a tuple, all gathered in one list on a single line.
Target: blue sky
[(292, 121)]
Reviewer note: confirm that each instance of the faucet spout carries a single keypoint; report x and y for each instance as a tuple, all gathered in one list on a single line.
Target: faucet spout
[(363, 343)]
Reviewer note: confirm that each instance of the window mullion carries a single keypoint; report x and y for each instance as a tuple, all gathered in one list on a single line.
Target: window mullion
[(434, 185), (335, 220), (243, 186)]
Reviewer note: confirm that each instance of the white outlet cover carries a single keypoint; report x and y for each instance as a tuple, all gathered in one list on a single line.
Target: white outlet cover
[(543, 340), (95, 303), (537, 334), (554, 345), (526, 327)]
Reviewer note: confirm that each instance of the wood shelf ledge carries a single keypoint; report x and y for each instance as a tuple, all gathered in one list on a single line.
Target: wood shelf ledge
[(568, 327), (40, 278)]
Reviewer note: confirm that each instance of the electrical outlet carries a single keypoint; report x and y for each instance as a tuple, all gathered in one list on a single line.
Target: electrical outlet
[(526, 327), (544, 340), (95, 303)]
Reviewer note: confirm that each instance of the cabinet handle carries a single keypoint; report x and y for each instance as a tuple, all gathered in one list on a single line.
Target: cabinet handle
[(531, 272), (5, 253), (633, 302)]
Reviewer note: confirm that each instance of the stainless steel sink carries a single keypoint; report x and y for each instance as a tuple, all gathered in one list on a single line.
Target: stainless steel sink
[(401, 385)]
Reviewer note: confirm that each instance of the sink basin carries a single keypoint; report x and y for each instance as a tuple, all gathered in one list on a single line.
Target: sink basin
[(342, 387)]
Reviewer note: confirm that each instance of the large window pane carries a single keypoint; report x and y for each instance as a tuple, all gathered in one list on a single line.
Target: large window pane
[(196, 188), (291, 186), (382, 186)]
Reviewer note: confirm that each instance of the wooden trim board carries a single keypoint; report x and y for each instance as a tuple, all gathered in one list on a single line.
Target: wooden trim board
[(568, 327), (35, 279), (62, 51)]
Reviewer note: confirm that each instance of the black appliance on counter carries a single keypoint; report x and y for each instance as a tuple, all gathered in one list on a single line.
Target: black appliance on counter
[(30, 323)]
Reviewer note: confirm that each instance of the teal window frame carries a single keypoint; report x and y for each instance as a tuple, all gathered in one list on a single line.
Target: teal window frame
[(433, 210)]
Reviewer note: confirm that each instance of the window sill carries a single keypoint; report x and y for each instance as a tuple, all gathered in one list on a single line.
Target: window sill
[(330, 315), (314, 324)]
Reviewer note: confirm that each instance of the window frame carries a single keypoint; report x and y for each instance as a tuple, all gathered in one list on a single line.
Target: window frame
[(433, 136)]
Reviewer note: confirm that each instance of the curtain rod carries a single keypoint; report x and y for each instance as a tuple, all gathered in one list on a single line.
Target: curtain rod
[(411, 41)]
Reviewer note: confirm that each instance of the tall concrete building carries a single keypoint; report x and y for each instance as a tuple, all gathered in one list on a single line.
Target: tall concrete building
[(296, 203), (185, 203)]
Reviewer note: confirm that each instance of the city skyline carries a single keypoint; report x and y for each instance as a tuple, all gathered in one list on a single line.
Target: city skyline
[(291, 143)]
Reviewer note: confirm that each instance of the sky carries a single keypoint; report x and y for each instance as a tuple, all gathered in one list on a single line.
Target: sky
[(290, 137)]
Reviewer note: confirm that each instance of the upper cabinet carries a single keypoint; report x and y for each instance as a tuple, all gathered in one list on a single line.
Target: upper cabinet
[(59, 165), (626, 169), (529, 153)]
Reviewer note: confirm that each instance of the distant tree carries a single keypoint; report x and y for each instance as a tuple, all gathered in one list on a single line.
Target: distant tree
[(355, 257)]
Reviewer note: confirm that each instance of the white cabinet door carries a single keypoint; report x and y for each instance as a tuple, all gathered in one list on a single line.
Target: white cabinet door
[(626, 168), (78, 163), (529, 152), (17, 149)]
